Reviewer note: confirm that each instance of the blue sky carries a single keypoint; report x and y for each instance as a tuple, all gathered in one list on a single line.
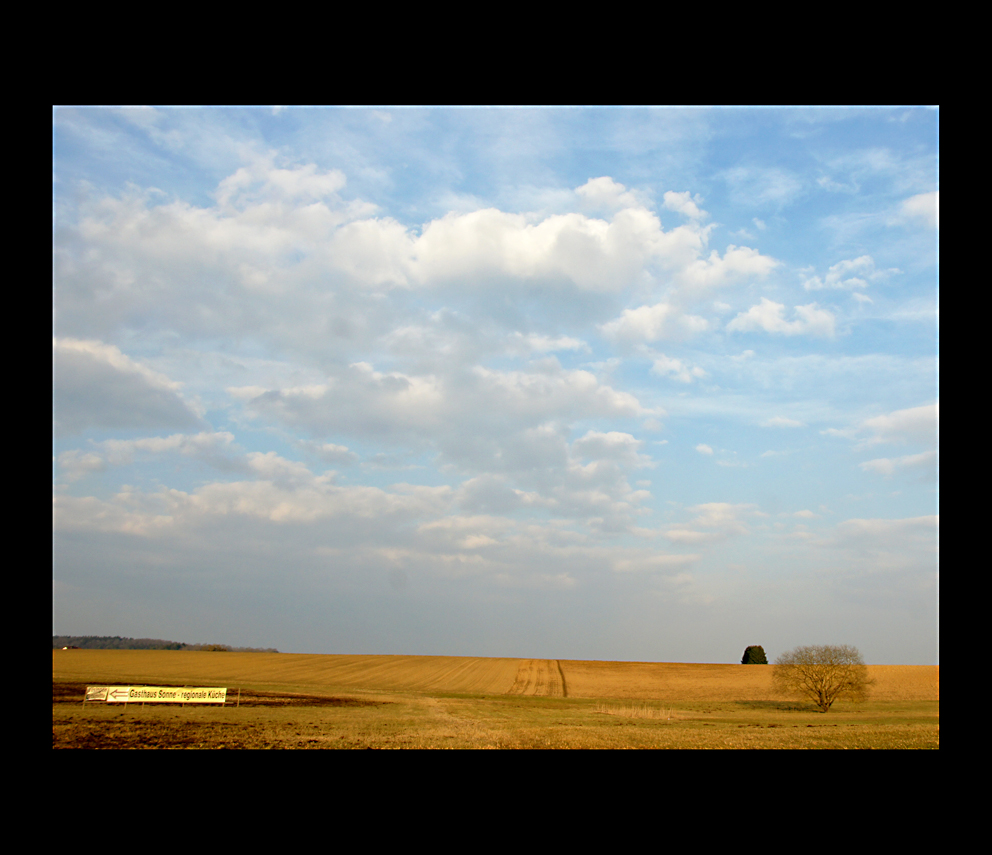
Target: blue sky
[(642, 384)]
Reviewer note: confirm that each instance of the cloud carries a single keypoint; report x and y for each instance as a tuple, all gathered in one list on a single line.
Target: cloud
[(694, 278), (287, 474), (284, 255), (122, 451), (75, 464), (219, 269), (612, 445), (702, 448), (916, 424), (737, 263), (849, 274), (282, 492), (766, 187), (651, 323), (213, 448), (604, 192), (262, 179), (329, 452), (481, 418), (665, 366), (595, 255), (685, 204), (490, 494), (96, 385), (894, 535), (655, 563), (714, 521), (878, 164), (216, 449), (913, 426), (770, 317), (925, 207), (377, 253), (927, 462), (531, 343), (782, 421)]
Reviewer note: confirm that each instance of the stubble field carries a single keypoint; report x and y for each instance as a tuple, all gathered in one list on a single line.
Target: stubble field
[(325, 701)]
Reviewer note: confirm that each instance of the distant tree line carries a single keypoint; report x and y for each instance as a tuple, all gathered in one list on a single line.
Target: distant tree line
[(116, 642)]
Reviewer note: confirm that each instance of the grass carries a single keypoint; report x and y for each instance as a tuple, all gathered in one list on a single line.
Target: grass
[(637, 711), (291, 701)]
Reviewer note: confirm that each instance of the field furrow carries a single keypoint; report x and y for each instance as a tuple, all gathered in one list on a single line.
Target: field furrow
[(539, 677)]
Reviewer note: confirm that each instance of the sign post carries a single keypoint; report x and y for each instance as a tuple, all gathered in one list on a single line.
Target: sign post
[(155, 695)]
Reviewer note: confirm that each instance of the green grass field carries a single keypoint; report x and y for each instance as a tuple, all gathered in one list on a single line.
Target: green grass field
[(301, 701)]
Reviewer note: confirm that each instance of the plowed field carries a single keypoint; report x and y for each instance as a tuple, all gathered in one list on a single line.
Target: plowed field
[(284, 671), (317, 701)]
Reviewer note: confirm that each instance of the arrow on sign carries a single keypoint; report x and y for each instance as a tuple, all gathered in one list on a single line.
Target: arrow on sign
[(118, 693)]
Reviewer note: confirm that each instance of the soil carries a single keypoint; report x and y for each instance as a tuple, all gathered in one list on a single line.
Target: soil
[(101, 725)]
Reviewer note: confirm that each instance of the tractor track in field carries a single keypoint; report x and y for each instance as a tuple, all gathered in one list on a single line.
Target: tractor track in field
[(539, 677)]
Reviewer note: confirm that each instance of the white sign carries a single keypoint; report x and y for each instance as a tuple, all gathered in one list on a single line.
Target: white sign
[(155, 695)]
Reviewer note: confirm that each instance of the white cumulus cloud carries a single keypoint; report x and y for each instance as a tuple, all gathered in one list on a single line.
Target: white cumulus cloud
[(665, 366), (652, 323), (685, 204), (849, 274), (769, 316), (924, 206)]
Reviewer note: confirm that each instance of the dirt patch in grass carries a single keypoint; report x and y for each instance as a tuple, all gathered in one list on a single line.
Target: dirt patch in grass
[(275, 720), (293, 699)]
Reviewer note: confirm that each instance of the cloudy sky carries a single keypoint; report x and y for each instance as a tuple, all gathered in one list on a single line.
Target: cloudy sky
[(635, 384)]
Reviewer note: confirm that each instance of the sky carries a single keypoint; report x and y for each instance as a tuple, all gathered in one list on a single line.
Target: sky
[(608, 383)]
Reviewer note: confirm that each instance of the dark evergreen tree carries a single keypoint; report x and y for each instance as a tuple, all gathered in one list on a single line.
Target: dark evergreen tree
[(754, 654)]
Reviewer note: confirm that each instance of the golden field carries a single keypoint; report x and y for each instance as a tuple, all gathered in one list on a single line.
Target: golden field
[(311, 700)]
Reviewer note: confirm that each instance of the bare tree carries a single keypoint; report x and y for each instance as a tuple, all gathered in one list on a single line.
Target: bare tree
[(823, 674)]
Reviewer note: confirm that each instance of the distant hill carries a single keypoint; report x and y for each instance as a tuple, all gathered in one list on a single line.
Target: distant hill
[(115, 642)]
